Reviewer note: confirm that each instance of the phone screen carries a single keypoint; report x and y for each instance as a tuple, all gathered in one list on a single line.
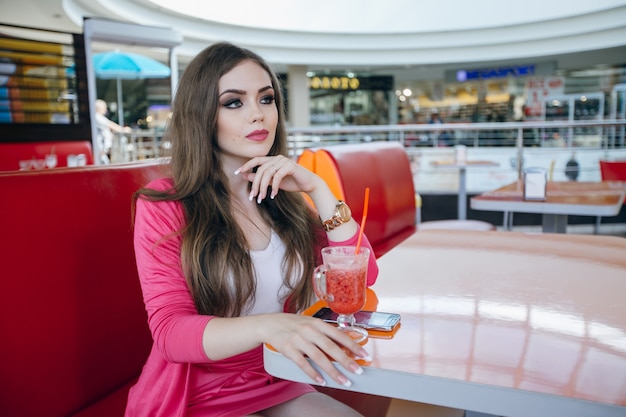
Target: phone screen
[(375, 320)]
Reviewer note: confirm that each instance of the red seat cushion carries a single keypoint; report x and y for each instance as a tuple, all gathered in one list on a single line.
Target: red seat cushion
[(113, 405)]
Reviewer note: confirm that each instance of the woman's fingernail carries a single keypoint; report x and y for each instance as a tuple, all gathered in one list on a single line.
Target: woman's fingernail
[(258, 200), (356, 369), (365, 355), (321, 381), (345, 381), (237, 172)]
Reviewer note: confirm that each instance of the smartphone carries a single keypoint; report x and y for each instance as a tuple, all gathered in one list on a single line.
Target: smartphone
[(372, 320)]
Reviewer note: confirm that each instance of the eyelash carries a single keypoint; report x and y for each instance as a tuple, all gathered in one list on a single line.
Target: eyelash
[(236, 103), (270, 99)]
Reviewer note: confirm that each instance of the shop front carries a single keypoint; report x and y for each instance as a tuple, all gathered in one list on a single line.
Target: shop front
[(350, 99), (531, 91)]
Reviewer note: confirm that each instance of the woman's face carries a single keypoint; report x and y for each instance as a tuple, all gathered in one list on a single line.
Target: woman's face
[(247, 116)]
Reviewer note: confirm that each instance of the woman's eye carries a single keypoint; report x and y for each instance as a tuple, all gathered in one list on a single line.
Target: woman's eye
[(267, 100), (233, 104)]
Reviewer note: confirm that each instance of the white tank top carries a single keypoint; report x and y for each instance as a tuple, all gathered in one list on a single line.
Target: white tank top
[(270, 291)]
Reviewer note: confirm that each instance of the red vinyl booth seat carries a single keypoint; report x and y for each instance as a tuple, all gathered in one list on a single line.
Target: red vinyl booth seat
[(72, 321), (383, 167)]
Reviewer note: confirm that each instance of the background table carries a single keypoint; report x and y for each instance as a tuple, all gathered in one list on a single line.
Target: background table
[(562, 199), (462, 168), (513, 324)]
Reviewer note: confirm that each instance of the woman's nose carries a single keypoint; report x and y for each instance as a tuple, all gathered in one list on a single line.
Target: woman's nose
[(256, 114)]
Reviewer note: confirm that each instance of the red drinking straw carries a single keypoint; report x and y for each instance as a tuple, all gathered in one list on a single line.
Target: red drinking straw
[(366, 200)]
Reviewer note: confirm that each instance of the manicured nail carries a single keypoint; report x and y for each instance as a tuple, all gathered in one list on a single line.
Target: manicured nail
[(258, 200), (364, 355), (345, 381), (237, 172), (356, 369), (321, 381), (250, 197)]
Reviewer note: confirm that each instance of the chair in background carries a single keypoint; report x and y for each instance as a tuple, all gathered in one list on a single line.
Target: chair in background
[(611, 171)]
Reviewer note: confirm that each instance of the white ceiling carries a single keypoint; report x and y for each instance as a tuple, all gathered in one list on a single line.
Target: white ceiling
[(414, 39), (375, 17)]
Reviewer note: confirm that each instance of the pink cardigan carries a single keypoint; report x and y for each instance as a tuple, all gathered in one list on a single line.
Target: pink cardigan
[(178, 379)]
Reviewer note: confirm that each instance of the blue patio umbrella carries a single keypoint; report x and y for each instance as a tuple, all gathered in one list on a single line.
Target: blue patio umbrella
[(120, 66)]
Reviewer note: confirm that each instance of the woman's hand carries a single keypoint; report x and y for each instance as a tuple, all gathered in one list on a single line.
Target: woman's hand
[(299, 337), (277, 172)]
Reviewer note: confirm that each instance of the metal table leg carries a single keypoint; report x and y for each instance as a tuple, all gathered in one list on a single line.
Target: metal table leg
[(554, 223), (462, 203)]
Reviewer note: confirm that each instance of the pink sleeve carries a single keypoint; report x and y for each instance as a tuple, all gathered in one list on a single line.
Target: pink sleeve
[(372, 267), (176, 326)]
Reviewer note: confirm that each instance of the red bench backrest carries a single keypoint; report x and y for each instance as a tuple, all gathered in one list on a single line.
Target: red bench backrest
[(383, 167), (72, 320)]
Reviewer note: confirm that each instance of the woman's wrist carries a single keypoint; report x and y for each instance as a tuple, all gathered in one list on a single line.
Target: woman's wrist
[(324, 199)]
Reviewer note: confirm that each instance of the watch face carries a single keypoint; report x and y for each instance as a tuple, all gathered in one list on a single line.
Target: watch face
[(344, 212)]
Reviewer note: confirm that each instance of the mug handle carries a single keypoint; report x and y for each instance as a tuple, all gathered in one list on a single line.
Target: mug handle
[(319, 282)]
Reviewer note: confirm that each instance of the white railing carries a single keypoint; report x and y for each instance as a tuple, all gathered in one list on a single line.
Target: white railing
[(513, 145), (137, 145), (584, 133)]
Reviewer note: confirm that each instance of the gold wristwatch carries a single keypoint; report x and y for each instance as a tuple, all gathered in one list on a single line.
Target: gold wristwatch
[(341, 215)]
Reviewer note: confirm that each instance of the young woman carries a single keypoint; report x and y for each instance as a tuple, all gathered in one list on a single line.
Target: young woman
[(226, 249)]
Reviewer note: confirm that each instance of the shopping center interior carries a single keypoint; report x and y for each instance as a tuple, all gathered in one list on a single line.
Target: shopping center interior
[(369, 65), (387, 74), (474, 93)]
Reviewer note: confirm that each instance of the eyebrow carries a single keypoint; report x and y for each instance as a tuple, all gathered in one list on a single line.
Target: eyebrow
[(242, 92)]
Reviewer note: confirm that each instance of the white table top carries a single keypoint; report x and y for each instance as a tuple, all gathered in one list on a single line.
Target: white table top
[(513, 324), (568, 198)]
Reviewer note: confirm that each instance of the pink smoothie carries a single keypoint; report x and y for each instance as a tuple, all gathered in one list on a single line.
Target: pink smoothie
[(347, 288)]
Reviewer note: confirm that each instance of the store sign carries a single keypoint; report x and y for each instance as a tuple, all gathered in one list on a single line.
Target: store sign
[(537, 90), (345, 83), (496, 72), (335, 83)]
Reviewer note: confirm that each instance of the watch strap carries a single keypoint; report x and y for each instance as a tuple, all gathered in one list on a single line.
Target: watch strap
[(336, 220)]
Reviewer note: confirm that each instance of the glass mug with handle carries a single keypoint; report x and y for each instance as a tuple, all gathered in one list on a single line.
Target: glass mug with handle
[(342, 282)]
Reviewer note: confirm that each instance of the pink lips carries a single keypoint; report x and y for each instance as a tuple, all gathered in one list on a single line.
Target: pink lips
[(258, 135)]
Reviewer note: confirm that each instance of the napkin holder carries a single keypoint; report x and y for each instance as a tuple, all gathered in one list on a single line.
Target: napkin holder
[(535, 184)]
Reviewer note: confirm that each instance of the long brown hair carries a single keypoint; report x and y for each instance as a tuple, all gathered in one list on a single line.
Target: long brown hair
[(215, 256)]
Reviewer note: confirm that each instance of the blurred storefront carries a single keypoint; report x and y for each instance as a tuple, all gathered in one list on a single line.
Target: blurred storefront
[(498, 93), (349, 99), (533, 91)]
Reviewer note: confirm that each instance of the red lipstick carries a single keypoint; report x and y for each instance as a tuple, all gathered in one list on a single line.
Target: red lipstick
[(258, 135)]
